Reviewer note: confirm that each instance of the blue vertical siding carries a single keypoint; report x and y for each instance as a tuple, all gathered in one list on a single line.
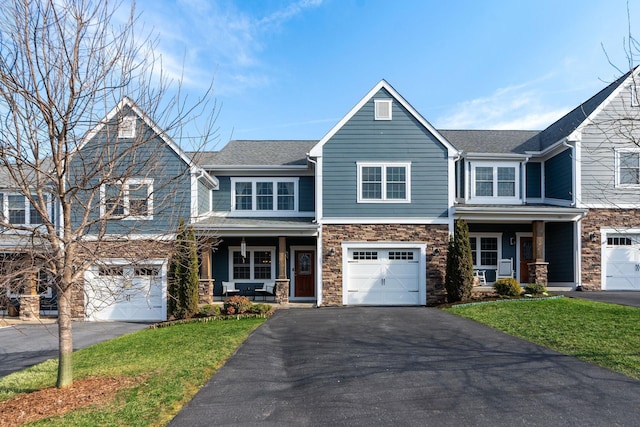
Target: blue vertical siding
[(402, 139), (558, 172), (534, 180), (559, 246)]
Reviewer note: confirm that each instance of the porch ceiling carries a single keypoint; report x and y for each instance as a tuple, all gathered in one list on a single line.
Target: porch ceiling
[(512, 214), (232, 226)]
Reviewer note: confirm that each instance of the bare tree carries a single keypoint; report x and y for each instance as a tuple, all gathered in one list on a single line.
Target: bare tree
[(72, 73)]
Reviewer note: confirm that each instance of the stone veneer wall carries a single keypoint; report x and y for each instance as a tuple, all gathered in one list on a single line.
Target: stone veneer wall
[(134, 250), (435, 235), (592, 251)]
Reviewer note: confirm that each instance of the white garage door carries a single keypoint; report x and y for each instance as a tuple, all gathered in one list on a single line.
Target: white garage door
[(383, 276), (622, 262), (126, 292)]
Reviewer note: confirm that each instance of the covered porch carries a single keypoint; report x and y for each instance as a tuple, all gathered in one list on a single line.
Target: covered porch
[(540, 242), (249, 254)]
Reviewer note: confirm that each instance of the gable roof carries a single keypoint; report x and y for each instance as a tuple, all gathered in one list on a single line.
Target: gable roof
[(382, 84), (128, 102), (257, 153), (571, 121)]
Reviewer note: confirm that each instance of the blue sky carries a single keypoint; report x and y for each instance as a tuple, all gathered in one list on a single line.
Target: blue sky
[(293, 69)]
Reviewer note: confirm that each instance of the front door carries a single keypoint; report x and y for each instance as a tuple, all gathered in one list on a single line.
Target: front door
[(526, 257), (304, 274)]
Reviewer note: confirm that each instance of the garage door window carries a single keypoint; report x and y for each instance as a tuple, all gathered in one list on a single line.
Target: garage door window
[(364, 255), (401, 255), (623, 240)]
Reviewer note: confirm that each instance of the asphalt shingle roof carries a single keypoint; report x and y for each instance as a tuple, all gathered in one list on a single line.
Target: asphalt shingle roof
[(256, 152), (491, 141)]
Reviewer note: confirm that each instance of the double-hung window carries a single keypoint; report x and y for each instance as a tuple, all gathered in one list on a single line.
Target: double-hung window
[(384, 182), (628, 168), (485, 250), (264, 196), (257, 264), (131, 199), (17, 210), (495, 183)]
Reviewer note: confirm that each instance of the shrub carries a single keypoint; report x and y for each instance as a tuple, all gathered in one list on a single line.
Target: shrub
[(261, 309), (535, 288), (237, 305), (507, 287), (210, 310), (459, 278)]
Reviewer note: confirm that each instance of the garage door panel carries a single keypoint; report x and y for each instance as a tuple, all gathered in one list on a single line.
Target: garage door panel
[(622, 263), (124, 297), (383, 276)]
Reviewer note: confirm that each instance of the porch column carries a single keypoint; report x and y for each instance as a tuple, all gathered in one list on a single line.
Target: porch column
[(538, 269), (205, 288), (282, 282), (30, 300), (538, 240)]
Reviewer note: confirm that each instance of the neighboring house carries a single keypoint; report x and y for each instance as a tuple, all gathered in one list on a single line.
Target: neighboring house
[(363, 216)]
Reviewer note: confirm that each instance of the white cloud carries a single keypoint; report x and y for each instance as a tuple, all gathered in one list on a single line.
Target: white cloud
[(519, 107)]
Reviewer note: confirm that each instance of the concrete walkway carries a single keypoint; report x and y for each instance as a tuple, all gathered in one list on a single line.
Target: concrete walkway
[(404, 366)]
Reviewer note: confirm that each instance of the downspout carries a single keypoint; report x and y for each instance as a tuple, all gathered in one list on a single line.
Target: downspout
[(578, 223), (318, 209)]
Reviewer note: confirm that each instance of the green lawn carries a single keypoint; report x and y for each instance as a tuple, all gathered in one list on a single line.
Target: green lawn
[(174, 362), (605, 334)]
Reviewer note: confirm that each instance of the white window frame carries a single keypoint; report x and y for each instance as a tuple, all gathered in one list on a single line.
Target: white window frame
[(383, 105), (252, 250), (618, 152), (384, 166), (516, 198), (254, 199), (478, 237), (127, 127), (132, 182), (4, 202)]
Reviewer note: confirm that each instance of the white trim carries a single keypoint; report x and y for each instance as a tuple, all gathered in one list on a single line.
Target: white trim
[(125, 199), (252, 250), (382, 104), (611, 205), (254, 197), (383, 182), (395, 220), (422, 284), (478, 236), (319, 176), (292, 267), (4, 214), (316, 151), (127, 127), (194, 196), (319, 263), (616, 156), (495, 199), (577, 133), (577, 251)]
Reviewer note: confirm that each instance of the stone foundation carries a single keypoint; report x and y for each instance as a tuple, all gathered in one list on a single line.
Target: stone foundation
[(538, 272), (282, 291), (29, 307), (436, 236), (205, 291)]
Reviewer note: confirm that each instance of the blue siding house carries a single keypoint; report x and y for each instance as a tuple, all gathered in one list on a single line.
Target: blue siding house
[(364, 215)]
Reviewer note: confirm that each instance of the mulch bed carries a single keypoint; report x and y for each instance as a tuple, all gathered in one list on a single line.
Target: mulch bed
[(53, 401)]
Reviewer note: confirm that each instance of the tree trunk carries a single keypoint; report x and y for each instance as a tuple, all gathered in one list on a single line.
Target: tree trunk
[(65, 347)]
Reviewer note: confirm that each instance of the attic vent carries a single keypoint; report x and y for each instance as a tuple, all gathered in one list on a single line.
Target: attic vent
[(127, 127), (382, 109)]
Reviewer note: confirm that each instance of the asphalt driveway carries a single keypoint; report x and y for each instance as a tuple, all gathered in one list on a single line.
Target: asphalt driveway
[(631, 298), (25, 345), (404, 366)]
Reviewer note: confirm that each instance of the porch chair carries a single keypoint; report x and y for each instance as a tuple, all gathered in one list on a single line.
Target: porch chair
[(505, 269), (268, 288), (479, 278), (229, 288)]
